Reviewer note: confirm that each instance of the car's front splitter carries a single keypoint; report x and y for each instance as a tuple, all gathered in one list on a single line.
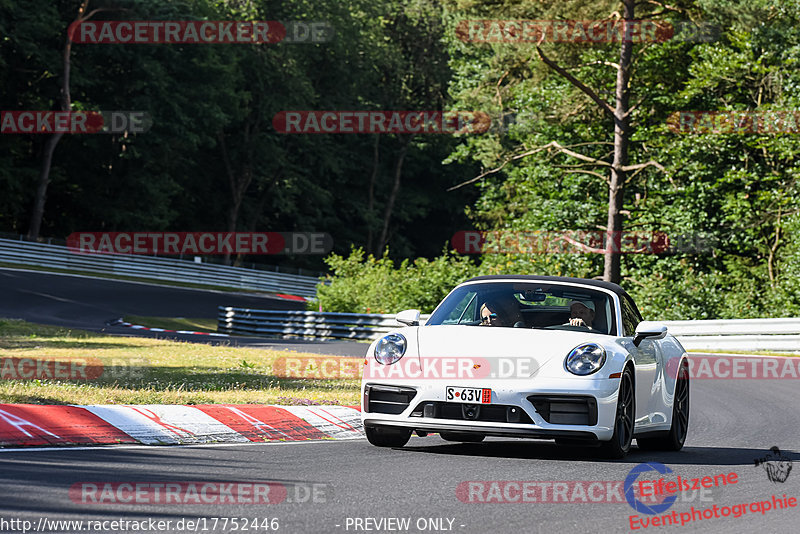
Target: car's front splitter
[(486, 430)]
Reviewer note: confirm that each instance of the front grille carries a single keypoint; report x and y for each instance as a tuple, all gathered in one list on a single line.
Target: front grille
[(490, 413), (387, 399), (566, 409)]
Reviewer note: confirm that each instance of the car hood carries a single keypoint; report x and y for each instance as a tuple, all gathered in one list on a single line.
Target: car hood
[(543, 350)]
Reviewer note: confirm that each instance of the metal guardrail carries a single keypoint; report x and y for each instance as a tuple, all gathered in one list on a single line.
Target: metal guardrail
[(779, 343), (244, 321), (173, 270), (734, 327), (738, 334), (734, 334)]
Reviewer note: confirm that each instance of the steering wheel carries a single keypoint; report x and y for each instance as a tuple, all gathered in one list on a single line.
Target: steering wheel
[(568, 327)]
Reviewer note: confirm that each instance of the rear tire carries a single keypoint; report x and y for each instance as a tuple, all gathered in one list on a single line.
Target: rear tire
[(387, 437), (676, 437), (462, 437), (620, 442)]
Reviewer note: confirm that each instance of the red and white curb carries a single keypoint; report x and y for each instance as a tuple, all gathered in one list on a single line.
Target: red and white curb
[(120, 322), (23, 425)]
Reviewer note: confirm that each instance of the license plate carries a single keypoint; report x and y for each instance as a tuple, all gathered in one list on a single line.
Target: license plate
[(468, 395)]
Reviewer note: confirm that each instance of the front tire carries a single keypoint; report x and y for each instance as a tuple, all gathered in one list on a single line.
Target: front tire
[(387, 437), (676, 437), (620, 442)]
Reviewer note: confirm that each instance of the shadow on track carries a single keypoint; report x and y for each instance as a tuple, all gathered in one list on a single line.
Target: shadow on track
[(540, 450)]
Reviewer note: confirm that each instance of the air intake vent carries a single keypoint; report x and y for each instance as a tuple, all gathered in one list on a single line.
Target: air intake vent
[(566, 409), (387, 399), (490, 413)]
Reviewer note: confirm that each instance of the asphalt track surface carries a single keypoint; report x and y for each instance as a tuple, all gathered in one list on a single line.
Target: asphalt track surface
[(88, 303), (732, 423)]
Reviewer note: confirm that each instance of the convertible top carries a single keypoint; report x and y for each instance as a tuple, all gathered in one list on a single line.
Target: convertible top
[(535, 278)]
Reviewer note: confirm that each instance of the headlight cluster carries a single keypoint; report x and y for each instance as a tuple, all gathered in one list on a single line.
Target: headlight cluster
[(390, 349), (585, 359)]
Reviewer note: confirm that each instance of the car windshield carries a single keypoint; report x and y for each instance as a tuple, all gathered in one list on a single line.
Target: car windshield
[(527, 305)]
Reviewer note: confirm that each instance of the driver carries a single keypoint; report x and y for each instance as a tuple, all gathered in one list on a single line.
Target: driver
[(581, 313), (500, 313)]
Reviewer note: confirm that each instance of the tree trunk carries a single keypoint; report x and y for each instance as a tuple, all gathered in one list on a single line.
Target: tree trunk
[(398, 169), (612, 263), (238, 180), (371, 195), (37, 212), (254, 221)]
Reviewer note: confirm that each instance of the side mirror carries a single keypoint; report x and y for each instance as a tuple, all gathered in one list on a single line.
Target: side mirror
[(408, 317), (649, 329)]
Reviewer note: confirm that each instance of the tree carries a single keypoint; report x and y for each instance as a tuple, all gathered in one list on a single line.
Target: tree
[(65, 104)]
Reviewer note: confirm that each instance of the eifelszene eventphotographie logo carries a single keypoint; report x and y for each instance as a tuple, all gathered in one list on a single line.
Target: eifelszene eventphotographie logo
[(776, 464)]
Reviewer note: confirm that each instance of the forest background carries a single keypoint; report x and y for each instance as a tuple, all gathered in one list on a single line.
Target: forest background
[(212, 160)]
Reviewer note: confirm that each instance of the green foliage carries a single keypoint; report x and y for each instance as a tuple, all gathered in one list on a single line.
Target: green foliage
[(375, 285), (741, 189), (206, 98), (209, 101)]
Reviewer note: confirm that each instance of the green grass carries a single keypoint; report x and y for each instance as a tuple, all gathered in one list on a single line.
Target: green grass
[(157, 371)]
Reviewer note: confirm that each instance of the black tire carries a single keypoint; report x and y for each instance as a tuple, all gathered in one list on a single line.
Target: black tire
[(387, 437), (624, 419), (676, 437), (462, 436)]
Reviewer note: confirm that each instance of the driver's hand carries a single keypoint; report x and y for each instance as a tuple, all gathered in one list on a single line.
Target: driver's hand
[(576, 321)]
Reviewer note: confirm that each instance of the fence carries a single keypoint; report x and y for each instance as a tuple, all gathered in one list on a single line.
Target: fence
[(738, 334), (243, 321), (155, 268), (734, 334)]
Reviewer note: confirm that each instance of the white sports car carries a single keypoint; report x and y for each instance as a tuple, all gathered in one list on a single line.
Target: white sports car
[(532, 357)]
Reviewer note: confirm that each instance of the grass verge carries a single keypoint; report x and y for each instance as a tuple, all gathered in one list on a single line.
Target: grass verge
[(154, 371)]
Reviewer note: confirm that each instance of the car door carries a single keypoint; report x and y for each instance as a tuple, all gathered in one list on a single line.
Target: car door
[(647, 357)]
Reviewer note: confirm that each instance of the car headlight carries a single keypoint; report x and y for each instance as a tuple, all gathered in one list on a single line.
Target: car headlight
[(390, 349), (585, 359)]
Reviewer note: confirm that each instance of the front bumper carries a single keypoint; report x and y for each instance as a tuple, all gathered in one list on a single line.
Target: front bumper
[(504, 431), (580, 409)]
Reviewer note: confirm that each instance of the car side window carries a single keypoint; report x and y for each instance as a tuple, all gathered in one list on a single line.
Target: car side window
[(463, 311), (630, 316)]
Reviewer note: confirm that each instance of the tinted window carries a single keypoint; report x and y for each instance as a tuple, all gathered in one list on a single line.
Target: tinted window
[(526, 305), (630, 316)]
